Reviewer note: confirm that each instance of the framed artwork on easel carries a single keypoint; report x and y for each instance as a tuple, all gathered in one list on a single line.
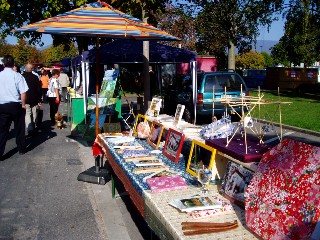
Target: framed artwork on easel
[(141, 127), (155, 134), (200, 154), (173, 145)]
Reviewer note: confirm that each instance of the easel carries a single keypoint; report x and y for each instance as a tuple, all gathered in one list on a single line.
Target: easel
[(131, 112)]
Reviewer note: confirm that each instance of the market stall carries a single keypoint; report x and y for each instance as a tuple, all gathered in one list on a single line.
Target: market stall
[(123, 51)]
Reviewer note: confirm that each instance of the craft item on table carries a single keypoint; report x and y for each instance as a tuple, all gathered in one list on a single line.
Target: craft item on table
[(197, 228), (131, 153), (173, 145), (219, 129), (166, 183), (130, 159), (121, 139), (178, 115), (226, 206), (155, 135), (192, 130), (128, 145), (166, 172), (235, 183), (283, 197), (200, 154), (154, 108), (112, 127), (145, 163), (155, 151), (111, 135), (238, 150), (139, 118), (149, 169), (143, 130), (195, 202)]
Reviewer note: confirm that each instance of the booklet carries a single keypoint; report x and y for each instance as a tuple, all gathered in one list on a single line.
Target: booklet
[(195, 202), (166, 183), (133, 153), (166, 172), (118, 140), (128, 145), (151, 162)]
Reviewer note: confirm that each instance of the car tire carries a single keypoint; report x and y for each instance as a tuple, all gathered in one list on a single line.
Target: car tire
[(188, 116)]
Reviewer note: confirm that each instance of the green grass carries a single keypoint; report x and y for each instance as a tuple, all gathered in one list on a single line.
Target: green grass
[(303, 112)]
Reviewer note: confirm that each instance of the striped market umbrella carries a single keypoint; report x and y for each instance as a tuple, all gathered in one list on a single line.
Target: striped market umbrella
[(98, 19)]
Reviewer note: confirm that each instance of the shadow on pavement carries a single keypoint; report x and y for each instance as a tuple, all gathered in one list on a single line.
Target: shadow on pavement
[(43, 134)]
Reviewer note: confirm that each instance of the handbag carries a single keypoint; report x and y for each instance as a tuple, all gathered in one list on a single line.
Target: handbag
[(39, 116)]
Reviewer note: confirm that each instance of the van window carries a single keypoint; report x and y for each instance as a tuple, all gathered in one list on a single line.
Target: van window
[(230, 82)]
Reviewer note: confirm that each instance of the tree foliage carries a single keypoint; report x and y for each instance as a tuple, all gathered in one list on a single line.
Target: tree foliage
[(250, 60), (268, 60), (179, 23), (232, 23), (300, 41), (56, 53)]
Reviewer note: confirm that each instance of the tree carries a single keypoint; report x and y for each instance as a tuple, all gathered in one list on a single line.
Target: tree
[(22, 52), (233, 23), (56, 53), (250, 60), (268, 60), (300, 42), (5, 48), (180, 24)]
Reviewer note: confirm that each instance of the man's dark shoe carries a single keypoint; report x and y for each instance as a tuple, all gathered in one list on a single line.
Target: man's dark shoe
[(22, 151)]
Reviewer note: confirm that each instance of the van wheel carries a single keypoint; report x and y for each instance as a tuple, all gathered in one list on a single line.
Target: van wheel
[(188, 116)]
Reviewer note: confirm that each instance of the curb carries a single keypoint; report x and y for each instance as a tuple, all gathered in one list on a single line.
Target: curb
[(296, 129)]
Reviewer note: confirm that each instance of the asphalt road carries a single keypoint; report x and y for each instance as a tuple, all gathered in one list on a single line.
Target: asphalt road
[(40, 197)]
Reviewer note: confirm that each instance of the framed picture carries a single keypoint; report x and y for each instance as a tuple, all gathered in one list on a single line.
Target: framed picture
[(173, 145), (112, 127), (139, 118), (235, 182), (154, 108), (155, 134), (200, 154), (178, 114)]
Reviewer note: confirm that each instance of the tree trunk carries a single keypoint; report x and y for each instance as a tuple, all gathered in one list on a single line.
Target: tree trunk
[(231, 56), (82, 43)]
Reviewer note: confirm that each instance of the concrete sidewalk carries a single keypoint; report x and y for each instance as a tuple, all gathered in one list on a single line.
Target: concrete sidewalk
[(40, 197)]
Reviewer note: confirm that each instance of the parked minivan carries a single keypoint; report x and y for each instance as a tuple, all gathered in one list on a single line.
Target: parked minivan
[(217, 85)]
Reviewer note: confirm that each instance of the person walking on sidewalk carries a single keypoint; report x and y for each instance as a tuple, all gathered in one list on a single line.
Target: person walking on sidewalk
[(54, 95), (64, 81), (44, 79), (12, 105), (33, 98)]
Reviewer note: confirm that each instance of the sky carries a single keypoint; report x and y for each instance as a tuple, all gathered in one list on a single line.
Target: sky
[(275, 32)]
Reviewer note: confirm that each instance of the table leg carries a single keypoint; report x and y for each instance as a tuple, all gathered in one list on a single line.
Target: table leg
[(113, 186)]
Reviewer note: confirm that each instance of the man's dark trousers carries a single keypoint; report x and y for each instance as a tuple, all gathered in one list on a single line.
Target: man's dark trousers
[(12, 112)]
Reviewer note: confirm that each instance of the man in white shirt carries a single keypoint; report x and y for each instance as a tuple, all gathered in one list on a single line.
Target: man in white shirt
[(12, 105)]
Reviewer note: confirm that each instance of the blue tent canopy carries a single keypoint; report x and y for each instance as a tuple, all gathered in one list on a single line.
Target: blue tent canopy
[(131, 51)]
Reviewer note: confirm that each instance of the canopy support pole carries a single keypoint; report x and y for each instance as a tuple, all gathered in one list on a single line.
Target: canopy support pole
[(193, 65), (97, 84), (146, 75)]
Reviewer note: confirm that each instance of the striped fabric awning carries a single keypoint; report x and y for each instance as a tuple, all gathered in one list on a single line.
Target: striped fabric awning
[(98, 19)]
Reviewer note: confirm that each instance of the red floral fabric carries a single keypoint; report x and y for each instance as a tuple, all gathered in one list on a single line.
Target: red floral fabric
[(282, 200)]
